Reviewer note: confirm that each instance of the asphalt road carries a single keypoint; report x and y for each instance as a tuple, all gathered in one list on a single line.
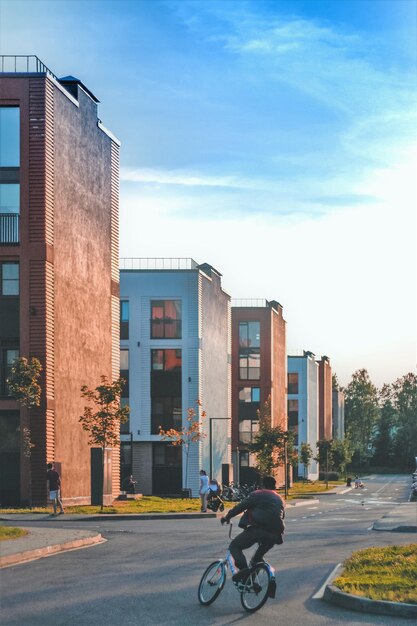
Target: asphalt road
[(148, 571)]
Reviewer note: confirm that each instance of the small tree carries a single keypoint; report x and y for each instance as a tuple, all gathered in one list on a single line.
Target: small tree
[(268, 445), (192, 432), (103, 424), (340, 454), (306, 454), (24, 386), (324, 456)]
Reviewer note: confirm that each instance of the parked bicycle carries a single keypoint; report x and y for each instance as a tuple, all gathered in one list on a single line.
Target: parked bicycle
[(255, 589)]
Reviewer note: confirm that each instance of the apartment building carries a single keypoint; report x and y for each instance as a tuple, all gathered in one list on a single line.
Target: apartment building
[(59, 300), (303, 406), (338, 414), (325, 398), (175, 349), (259, 372)]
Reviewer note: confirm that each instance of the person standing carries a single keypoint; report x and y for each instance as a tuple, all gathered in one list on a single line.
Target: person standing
[(204, 489), (54, 483)]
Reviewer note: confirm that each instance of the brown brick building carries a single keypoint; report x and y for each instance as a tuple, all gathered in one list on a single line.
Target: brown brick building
[(59, 301), (259, 371), (325, 398)]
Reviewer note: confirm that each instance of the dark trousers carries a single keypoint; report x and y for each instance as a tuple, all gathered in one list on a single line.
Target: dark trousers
[(248, 538)]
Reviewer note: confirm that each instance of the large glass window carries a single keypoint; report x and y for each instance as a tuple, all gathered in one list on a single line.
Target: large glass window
[(293, 419), (124, 373), (9, 137), (166, 319), (293, 383), (9, 279), (166, 389), (9, 198), (7, 358), (248, 429), (249, 402), (124, 319), (249, 350)]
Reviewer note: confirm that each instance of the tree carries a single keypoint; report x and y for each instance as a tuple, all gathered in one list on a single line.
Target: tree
[(103, 424), (404, 400), (268, 445), (361, 412), (24, 386), (340, 454), (306, 454), (383, 440), (324, 456), (192, 432), (335, 383)]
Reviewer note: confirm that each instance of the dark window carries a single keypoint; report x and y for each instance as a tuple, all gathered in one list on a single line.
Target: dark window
[(9, 137), (165, 454), (124, 319), (124, 373), (249, 350), (249, 402), (7, 357), (293, 383), (9, 279), (293, 419), (248, 429), (166, 319), (166, 390)]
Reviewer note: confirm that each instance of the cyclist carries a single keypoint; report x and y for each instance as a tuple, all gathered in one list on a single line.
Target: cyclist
[(263, 523)]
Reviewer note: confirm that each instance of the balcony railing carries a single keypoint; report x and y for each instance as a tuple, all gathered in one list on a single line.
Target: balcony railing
[(249, 302), (9, 228), (22, 64)]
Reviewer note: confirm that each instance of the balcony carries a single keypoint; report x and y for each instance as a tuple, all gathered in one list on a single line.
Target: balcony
[(147, 264), (23, 64), (9, 228)]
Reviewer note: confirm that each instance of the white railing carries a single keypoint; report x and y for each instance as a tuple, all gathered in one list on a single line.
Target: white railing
[(158, 263)]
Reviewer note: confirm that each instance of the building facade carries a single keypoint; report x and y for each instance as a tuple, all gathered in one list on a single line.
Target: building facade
[(175, 349), (325, 398), (59, 196), (303, 406), (338, 415), (259, 373)]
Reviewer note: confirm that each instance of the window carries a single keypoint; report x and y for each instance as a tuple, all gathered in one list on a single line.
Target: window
[(293, 383), (165, 454), (124, 373), (9, 279), (293, 419), (248, 430), (9, 198), (9, 137), (8, 355), (124, 319), (166, 319), (166, 389), (249, 402), (249, 350)]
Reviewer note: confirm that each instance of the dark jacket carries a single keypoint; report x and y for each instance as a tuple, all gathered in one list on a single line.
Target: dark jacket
[(263, 508)]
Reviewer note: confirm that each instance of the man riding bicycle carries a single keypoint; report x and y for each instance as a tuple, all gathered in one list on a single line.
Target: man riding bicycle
[(263, 523)]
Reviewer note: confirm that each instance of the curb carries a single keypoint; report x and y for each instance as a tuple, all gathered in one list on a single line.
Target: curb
[(38, 553), (140, 516), (395, 529), (365, 605)]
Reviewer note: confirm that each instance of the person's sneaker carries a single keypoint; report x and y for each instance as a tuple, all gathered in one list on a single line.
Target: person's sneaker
[(61, 512), (241, 575)]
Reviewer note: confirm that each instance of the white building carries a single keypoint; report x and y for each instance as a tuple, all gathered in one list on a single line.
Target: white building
[(175, 350), (303, 406)]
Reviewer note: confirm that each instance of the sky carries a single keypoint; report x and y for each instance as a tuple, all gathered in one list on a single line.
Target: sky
[(274, 140)]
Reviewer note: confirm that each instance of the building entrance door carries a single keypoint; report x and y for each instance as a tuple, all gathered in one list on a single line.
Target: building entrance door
[(9, 458), (166, 469)]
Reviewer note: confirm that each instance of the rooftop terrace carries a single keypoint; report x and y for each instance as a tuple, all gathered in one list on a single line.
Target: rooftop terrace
[(22, 64), (158, 263)]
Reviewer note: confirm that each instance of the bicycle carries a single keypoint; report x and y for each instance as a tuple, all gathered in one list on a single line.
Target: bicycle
[(254, 590)]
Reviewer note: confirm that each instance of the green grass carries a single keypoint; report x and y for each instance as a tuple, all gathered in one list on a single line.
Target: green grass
[(8, 532), (308, 489), (382, 574)]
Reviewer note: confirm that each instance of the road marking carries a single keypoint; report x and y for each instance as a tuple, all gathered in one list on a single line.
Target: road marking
[(311, 508), (370, 527), (320, 592)]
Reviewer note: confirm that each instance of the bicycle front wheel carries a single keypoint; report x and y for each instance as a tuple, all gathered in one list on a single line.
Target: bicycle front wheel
[(255, 588), (211, 583)]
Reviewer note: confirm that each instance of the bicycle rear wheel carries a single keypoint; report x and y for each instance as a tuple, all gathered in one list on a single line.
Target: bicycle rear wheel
[(212, 582), (255, 588)]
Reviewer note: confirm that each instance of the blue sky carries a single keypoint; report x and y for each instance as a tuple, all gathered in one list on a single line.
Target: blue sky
[(275, 140)]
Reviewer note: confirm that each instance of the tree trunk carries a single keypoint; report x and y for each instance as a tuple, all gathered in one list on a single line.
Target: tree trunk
[(103, 479)]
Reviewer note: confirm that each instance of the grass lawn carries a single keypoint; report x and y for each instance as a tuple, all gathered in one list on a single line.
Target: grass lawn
[(153, 504), (382, 574), (8, 532)]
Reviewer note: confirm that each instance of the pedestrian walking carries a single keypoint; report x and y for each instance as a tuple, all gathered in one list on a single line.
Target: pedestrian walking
[(54, 484), (204, 489)]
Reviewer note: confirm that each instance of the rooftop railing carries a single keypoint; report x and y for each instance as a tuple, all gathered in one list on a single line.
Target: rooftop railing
[(155, 263), (250, 302), (23, 63)]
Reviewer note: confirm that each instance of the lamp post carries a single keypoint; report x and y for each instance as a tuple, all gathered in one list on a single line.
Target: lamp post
[(211, 419)]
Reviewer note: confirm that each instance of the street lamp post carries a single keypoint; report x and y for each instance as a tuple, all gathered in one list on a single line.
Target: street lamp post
[(211, 419), (285, 465)]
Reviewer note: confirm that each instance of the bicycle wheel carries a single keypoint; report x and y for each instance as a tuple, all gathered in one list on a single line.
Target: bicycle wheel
[(211, 583), (255, 588)]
